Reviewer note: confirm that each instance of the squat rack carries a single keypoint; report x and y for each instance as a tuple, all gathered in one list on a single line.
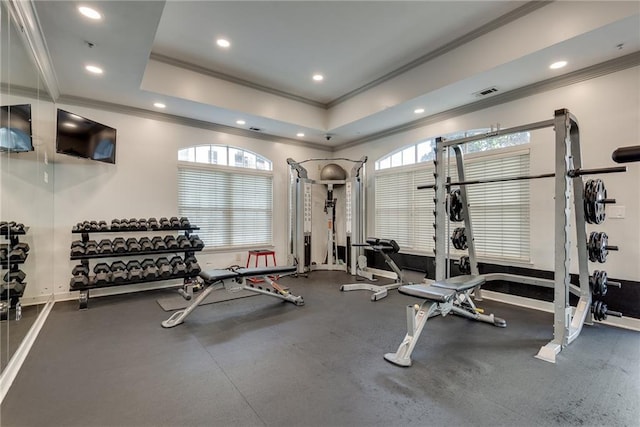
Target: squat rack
[(568, 180)]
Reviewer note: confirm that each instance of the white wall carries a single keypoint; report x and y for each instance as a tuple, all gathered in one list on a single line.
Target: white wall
[(143, 183), (608, 113)]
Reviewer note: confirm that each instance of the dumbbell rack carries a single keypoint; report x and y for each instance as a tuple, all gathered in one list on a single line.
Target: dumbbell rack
[(12, 266), (83, 299)]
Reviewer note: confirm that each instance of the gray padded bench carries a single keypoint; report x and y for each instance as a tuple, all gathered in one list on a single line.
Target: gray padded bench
[(452, 295), (235, 280)]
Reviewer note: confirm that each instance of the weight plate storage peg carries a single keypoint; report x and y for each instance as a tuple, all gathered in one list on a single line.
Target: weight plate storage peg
[(598, 247), (595, 200), (600, 283), (601, 311), (459, 238), (464, 265), (454, 203)]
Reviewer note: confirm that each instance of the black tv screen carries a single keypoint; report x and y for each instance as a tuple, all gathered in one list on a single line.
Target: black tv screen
[(80, 137), (15, 128)]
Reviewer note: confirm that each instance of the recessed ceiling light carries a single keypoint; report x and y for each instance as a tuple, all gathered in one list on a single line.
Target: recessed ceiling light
[(223, 43), (318, 77), (299, 134), (69, 125), (557, 65), (93, 69), (89, 12), (240, 122), (419, 110), (159, 105)]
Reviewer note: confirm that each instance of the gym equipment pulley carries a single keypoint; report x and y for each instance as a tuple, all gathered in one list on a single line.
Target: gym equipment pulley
[(598, 247)]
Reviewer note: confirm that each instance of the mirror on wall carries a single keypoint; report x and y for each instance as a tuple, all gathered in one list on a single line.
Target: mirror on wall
[(26, 189)]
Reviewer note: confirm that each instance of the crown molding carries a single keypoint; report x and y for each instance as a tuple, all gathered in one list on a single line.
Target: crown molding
[(181, 120), (614, 65), (460, 41), (232, 79)]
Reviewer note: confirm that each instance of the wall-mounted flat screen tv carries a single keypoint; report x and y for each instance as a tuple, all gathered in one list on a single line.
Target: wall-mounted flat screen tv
[(15, 128), (80, 137)]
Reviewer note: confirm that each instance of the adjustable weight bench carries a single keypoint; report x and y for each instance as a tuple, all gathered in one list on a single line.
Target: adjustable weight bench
[(452, 295), (237, 280), (384, 247)]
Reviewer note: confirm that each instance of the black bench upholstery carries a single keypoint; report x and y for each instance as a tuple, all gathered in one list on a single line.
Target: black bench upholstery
[(460, 283)]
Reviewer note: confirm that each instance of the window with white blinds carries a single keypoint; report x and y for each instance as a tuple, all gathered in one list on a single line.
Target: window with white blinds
[(499, 211), (232, 206)]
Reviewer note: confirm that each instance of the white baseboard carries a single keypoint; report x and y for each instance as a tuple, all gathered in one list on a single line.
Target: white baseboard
[(620, 322), (14, 365)]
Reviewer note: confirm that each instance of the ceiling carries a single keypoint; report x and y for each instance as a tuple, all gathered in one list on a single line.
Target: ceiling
[(380, 59)]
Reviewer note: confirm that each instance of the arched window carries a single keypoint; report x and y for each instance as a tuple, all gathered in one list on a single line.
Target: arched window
[(228, 193), (500, 211)]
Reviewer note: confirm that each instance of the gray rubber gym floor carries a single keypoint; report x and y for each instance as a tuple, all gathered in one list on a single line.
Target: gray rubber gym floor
[(260, 361)]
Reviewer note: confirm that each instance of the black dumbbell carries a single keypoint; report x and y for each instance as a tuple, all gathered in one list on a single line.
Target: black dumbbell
[(105, 247), (193, 268), (159, 244), (24, 247), (184, 222), (171, 242), (145, 244), (196, 242), (119, 245), (77, 248), (91, 247), (119, 273), (4, 253), (152, 224), (4, 227), (86, 226), (133, 245), (142, 224), (102, 225), (124, 224), (115, 224), (164, 223), (174, 221), (164, 268), (135, 271), (80, 270), (93, 225), (178, 265), (103, 274), (17, 255), (149, 269), (183, 242), (79, 281), (17, 276), (133, 224)]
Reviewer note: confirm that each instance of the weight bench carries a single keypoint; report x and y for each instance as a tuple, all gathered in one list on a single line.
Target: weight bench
[(452, 295), (384, 247), (237, 280)]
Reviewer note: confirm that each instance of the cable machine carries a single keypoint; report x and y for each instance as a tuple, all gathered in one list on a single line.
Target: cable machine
[(301, 215)]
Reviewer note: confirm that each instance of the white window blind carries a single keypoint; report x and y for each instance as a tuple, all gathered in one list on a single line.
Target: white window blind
[(402, 212), (231, 207), (499, 211)]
